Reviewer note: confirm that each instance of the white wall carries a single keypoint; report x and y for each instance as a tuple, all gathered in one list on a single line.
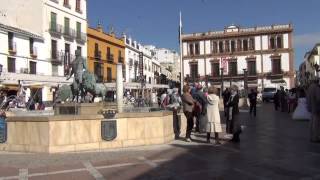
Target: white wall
[(23, 14), (265, 42), (257, 42)]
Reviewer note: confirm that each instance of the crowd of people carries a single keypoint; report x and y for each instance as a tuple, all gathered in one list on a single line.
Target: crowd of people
[(201, 108)]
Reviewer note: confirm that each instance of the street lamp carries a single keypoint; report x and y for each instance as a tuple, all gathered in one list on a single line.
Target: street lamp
[(221, 80)]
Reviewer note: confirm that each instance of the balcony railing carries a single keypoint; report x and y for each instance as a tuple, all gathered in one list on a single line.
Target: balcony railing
[(81, 37), (78, 10), (33, 52), (120, 59), (110, 57), (12, 48), (55, 57), (97, 54), (55, 29), (69, 34)]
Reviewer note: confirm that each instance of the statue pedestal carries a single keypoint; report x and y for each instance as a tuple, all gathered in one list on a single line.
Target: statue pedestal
[(77, 108)]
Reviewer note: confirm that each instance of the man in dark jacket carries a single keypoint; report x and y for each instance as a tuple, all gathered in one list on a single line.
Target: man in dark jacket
[(201, 107), (226, 95), (234, 125), (253, 102)]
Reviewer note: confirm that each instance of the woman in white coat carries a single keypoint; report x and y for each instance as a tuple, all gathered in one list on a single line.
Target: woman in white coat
[(213, 115)]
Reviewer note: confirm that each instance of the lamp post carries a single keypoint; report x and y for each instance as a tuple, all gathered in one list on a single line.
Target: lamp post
[(245, 80), (221, 81)]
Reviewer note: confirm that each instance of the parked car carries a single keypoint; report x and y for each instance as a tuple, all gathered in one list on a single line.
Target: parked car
[(268, 94)]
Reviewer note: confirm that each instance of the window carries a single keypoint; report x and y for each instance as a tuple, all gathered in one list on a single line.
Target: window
[(239, 45), (78, 30), (53, 22), (276, 66), (245, 45), (220, 47), (66, 3), (191, 52), (11, 65), (10, 41), (120, 56), (109, 54), (227, 46), (80, 49), (272, 44), (214, 47), (252, 68), (109, 74), (251, 44), (78, 5), (233, 68), (194, 70), (96, 50), (233, 46), (31, 46), (66, 26), (33, 67), (54, 52), (98, 71), (279, 41), (67, 54), (215, 69), (197, 48)]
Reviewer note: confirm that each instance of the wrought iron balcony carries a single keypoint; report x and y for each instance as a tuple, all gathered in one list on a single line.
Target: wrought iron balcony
[(120, 59), (69, 34), (110, 57), (12, 48), (34, 52), (81, 37), (56, 58), (55, 29), (97, 54)]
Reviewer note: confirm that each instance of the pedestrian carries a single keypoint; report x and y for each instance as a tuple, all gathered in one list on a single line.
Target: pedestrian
[(313, 105), (164, 99), (233, 111), (276, 100), (283, 99), (174, 106), (253, 102), (292, 98), (213, 115), (226, 95), (200, 109), (188, 104)]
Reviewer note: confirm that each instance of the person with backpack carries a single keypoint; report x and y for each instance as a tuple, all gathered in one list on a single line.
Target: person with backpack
[(188, 105), (174, 106), (200, 109)]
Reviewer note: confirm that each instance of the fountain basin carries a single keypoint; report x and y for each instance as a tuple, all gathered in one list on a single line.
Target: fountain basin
[(71, 133)]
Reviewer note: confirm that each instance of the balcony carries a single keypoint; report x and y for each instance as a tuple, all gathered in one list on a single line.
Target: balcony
[(34, 52), (12, 48), (275, 75), (55, 29), (110, 57), (67, 5), (78, 10), (81, 38), (69, 34), (120, 60), (55, 58), (97, 54)]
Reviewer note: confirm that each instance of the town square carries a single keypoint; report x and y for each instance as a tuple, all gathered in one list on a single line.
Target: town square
[(176, 89)]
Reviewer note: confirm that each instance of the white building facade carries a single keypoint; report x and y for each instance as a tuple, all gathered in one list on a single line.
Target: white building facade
[(266, 53), (169, 59), (310, 67), (152, 69), (35, 47)]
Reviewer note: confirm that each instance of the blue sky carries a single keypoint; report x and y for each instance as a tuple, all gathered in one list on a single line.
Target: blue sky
[(156, 21)]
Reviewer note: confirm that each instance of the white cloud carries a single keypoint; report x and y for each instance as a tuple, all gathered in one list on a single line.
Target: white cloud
[(309, 39)]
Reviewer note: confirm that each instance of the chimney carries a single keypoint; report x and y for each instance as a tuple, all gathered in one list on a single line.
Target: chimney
[(99, 27)]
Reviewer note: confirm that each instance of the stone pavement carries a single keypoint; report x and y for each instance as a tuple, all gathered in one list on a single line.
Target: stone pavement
[(273, 146)]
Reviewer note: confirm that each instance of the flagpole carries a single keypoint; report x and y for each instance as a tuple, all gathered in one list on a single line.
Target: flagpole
[(181, 54)]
